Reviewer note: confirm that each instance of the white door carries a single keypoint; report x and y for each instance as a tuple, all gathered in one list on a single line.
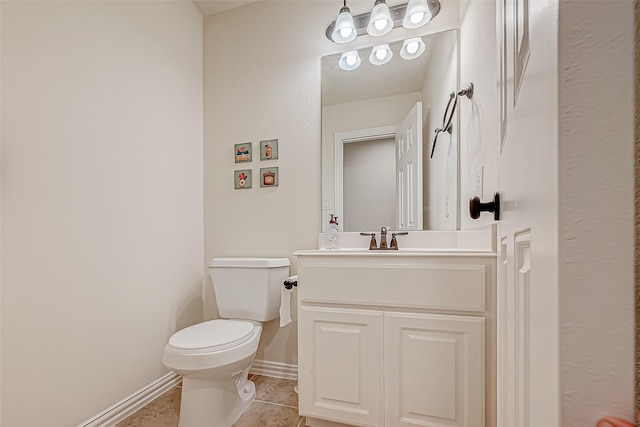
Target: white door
[(340, 364), (434, 370), (409, 170), (527, 180)]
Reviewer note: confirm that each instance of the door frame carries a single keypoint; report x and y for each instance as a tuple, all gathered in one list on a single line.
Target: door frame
[(348, 137)]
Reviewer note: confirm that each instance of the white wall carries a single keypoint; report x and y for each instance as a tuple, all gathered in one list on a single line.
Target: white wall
[(479, 132), (440, 173), (102, 241), (596, 210), (262, 82)]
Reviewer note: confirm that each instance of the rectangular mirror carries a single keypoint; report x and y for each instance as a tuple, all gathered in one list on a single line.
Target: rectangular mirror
[(378, 129)]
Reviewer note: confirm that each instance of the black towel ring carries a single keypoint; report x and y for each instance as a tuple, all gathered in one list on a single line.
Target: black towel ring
[(448, 116)]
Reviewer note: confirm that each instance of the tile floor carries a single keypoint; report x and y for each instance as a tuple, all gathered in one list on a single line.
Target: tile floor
[(276, 405)]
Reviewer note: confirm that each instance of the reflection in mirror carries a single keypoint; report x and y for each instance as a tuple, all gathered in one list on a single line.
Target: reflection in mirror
[(378, 124)]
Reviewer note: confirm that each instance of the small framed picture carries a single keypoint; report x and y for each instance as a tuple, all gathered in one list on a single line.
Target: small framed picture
[(269, 177), (242, 179), (269, 149), (242, 152)]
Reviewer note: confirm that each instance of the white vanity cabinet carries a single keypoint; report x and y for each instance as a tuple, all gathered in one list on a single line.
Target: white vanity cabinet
[(396, 339), (434, 370), (344, 359)]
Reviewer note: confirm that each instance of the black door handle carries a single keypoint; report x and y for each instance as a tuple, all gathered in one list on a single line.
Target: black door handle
[(476, 206)]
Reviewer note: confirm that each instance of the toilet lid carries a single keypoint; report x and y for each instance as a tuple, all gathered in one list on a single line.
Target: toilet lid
[(213, 335)]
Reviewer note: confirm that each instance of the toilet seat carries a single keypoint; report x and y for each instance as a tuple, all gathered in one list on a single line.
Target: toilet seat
[(211, 344), (211, 336)]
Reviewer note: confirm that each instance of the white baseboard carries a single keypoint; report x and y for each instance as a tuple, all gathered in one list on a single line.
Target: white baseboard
[(274, 369), (127, 406)]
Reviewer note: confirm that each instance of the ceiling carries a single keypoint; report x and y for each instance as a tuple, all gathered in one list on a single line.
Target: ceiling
[(211, 7)]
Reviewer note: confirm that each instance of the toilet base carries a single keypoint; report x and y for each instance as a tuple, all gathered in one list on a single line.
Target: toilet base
[(215, 402)]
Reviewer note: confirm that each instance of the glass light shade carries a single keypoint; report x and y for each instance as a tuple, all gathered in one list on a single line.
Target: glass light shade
[(345, 29), (349, 60), (380, 22), (412, 48), (380, 54), (417, 14)]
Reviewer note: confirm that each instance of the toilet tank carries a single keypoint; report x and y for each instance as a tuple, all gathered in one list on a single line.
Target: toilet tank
[(248, 288)]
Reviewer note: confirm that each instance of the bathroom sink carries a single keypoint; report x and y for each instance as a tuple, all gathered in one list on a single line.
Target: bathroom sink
[(416, 242), (358, 252)]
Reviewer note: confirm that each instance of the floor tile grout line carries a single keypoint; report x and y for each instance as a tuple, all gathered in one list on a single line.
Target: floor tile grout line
[(275, 403)]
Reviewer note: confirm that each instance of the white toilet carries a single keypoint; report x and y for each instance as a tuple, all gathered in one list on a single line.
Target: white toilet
[(214, 357)]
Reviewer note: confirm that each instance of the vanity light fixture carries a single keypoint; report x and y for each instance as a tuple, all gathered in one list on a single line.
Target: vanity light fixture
[(380, 54), (410, 15), (412, 48), (417, 14), (380, 22), (350, 60), (344, 30)]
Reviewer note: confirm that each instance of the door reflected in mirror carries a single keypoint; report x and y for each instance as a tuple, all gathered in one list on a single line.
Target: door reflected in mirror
[(369, 174), (375, 166)]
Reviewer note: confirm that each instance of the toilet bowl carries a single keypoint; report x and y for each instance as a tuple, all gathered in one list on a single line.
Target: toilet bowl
[(214, 357)]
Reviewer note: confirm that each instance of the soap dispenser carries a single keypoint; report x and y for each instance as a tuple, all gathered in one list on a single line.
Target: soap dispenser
[(331, 233)]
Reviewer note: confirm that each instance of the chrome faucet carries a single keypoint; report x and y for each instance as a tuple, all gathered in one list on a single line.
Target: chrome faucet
[(383, 238), (394, 241), (373, 245)]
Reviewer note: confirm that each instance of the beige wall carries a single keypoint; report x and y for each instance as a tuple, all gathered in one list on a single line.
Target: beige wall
[(101, 200), (479, 132), (596, 210), (262, 81), (441, 172)]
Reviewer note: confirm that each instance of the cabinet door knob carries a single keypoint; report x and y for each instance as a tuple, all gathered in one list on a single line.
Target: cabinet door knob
[(476, 206)]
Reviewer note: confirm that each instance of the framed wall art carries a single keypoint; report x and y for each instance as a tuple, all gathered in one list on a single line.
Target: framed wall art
[(242, 152), (242, 179), (269, 149), (269, 177)]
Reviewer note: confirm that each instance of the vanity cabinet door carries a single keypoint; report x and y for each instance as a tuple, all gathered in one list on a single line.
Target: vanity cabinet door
[(340, 364), (434, 370)]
